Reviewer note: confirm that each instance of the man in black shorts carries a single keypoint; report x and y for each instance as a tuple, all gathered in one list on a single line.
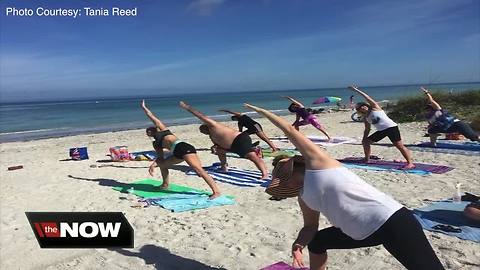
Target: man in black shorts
[(227, 139), (252, 126)]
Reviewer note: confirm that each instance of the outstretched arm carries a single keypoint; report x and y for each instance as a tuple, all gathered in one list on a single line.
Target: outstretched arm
[(370, 100), (199, 115), (434, 104), (152, 117), (231, 112), (306, 234), (315, 158), (296, 102)]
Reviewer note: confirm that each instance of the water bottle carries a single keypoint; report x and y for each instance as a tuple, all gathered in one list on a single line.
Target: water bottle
[(457, 197)]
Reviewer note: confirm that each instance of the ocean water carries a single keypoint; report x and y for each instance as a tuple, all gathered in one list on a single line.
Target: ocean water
[(36, 120)]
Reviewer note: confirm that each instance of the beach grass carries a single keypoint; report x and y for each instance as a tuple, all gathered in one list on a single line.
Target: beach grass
[(464, 105)]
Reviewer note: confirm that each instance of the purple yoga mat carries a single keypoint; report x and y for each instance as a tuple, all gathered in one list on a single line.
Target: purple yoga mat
[(282, 266), (388, 164)]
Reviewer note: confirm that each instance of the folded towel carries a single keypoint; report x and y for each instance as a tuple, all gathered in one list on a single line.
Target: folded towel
[(187, 202)]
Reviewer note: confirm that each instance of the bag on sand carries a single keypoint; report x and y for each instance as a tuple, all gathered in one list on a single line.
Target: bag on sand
[(78, 153)]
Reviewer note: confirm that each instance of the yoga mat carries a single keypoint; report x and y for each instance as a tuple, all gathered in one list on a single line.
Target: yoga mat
[(148, 188), (320, 140), (282, 266), (234, 176), (448, 213), (267, 152), (151, 155), (187, 202), (468, 146), (395, 166)]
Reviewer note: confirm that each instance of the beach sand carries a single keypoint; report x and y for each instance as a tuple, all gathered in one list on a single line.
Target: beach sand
[(253, 233)]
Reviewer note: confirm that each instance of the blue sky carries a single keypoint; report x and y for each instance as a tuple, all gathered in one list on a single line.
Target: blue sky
[(231, 45)]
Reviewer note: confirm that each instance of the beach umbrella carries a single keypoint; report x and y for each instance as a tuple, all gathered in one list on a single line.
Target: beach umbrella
[(327, 100)]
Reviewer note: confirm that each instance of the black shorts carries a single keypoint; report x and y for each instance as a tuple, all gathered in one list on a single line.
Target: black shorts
[(254, 129), (182, 149), (242, 145), (393, 133)]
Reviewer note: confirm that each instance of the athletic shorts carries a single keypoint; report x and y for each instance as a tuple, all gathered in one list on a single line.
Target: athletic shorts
[(393, 133), (182, 148), (242, 145), (312, 120), (254, 129)]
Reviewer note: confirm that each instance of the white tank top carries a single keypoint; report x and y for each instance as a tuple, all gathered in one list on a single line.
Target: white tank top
[(348, 202), (380, 120)]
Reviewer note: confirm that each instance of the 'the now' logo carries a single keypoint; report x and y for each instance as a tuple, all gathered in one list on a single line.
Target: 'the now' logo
[(81, 229), (85, 229)]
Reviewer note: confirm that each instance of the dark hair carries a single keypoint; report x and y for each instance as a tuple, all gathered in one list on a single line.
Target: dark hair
[(360, 104), (204, 129), (314, 111), (151, 130), (429, 107), (291, 108), (234, 118)]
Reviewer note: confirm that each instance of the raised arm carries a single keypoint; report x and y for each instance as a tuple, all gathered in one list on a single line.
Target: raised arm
[(296, 102), (152, 117), (315, 158), (370, 100), (231, 112), (199, 115), (434, 104)]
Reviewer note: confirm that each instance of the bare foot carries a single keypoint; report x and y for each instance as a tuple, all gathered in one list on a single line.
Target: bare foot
[(224, 168), (264, 176), (214, 195), (366, 160), (275, 150), (409, 166), (164, 186), (329, 139)]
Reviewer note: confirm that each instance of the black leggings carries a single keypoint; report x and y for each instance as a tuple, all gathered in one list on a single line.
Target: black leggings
[(401, 235)]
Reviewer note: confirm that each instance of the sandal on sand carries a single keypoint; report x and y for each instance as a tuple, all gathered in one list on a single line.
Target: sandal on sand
[(447, 228), (469, 197)]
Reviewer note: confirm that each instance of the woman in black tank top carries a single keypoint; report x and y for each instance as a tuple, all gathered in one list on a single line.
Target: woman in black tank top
[(182, 151)]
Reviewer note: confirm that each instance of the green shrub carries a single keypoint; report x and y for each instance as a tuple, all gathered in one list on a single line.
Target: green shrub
[(464, 105)]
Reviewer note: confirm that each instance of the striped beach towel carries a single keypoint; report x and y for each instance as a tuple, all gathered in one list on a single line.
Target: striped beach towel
[(234, 176)]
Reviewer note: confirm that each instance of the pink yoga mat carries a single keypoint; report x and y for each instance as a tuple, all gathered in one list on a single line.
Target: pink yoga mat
[(282, 266)]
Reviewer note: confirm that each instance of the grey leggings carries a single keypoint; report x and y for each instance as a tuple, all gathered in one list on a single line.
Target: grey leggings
[(458, 127)]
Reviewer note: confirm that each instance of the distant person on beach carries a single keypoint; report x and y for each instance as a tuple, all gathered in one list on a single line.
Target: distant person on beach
[(440, 121), (304, 117), (351, 104), (182, 151), (361, 215), (252, 126), (226, 140), (374, 115)]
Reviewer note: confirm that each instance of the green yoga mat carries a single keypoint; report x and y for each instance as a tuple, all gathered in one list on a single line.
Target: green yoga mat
[(148, 188), (287, 152)]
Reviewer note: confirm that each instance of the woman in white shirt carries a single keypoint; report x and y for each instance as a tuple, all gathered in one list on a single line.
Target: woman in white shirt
[(361, 215), (386, 127)]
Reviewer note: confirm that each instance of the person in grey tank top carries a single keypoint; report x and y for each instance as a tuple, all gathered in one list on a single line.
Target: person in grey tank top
[(386, 127)]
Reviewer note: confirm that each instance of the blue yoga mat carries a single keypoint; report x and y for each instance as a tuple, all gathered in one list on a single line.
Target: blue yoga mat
[(234, 176), (187, 202), (468, 146), (376, 168), (448, 213)]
